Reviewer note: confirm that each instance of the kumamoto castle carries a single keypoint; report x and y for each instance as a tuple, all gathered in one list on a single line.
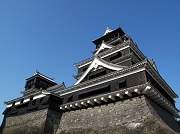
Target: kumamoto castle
[(117, 91)]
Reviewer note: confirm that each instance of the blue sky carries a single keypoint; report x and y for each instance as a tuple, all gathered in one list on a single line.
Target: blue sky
[(51, 35)]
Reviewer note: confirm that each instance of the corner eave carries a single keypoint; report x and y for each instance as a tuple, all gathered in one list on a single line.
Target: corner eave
[(160, 80), (143, 89)]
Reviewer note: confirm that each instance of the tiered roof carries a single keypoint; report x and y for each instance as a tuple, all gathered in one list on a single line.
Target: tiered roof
[(144, 65), (141, 64), (119, 47), (34, 93), (115, 71)]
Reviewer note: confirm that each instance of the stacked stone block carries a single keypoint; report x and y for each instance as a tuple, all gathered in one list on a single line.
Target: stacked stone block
[(136, 115), (39, 122)]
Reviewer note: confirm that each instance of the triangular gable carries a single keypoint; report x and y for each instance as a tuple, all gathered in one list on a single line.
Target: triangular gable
[(99, 62), (108, 30), (103, 46)]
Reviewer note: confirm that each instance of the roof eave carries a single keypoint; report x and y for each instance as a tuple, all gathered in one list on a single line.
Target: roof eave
[(112, 32)]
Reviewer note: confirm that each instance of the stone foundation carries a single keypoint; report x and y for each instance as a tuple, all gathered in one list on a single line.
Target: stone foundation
[(39, 122), (138, 115)]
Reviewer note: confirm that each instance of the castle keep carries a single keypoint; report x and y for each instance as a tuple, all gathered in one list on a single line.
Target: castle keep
[(118, 90)]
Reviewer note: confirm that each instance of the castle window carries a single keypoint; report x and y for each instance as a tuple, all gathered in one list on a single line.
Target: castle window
[(118, 54), (30, 82), (43, 84), (70, 98), (97, 74), (122, 84), (133, 62), (96, 91)]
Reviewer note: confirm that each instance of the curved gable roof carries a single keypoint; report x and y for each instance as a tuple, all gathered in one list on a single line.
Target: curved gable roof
[(103, 46), (99, 62)]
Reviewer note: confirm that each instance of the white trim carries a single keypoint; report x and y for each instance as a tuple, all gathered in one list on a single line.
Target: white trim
[(104, 99), (43, 76), (94, 65), (46, 77), (103, 46), (10, 105), (97, 101), (108, 30), (46, 92), (116, 51), (106, 55), (123, 61), (90, 102), (113, 78), (17, 103), (38, 96), (85, 64), (157, 97), (137, 53), (26, 100), (160, 82)]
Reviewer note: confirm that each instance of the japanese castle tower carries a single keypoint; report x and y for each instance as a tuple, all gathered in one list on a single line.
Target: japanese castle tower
[(117, 90)]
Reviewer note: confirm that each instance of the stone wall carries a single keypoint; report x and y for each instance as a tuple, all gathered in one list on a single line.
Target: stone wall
[(39, 122), (52, 122), (138, 115), (31, 123)]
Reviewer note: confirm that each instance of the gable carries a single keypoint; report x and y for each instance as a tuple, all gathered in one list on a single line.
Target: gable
[(97, 63)]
